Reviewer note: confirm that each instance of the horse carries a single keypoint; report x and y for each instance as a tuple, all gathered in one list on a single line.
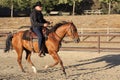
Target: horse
[(55, 36)]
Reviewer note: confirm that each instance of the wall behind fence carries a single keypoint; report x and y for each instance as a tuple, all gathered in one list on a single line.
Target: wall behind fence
[(85, 21)]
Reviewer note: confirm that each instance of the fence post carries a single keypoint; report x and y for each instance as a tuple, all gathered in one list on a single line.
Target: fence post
[(98, 43), (108, 32), (81, 33)]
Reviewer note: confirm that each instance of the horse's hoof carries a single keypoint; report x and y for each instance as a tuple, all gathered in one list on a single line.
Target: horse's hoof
[(35, 71), (65, 74), (23, 71), (46, 66)]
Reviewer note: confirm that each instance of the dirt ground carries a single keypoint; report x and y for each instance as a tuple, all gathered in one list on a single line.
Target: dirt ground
[(78, 65)]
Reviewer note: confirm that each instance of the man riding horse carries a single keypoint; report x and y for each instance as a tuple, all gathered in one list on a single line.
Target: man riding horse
[(56, 35), (37, 23)]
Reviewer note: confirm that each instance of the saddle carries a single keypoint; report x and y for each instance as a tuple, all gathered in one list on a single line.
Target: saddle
[(29, 35)]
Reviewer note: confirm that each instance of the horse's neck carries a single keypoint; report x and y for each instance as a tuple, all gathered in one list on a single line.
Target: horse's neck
[(61, 32)]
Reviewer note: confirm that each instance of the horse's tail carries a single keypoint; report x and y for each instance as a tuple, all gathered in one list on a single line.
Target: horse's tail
[(8, 42)]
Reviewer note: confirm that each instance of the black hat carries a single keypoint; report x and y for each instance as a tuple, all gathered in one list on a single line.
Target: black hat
[(37, 4)]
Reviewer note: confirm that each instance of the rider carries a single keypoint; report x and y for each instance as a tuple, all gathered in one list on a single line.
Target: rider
[(38, 22)]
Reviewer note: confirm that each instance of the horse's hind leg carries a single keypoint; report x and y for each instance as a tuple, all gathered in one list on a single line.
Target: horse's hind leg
[(28, 58), (19, 58)]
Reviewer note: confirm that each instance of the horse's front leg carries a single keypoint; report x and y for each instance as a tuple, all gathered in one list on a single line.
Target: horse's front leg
[(57, 60)]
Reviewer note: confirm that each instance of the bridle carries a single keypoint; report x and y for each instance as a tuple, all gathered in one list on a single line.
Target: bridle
[(71, 29)]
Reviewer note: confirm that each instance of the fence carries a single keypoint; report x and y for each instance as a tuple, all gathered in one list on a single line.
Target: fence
[(98, 48), (99, 40), (106, 30), (93, 12)]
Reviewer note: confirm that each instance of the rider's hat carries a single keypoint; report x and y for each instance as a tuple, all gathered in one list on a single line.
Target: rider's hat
[(37, 4)]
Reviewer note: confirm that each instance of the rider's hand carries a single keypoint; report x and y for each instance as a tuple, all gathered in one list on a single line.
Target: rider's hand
[(45, 24), (50, 22)]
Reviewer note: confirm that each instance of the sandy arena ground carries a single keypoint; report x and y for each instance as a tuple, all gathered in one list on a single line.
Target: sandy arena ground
[(79, 66)]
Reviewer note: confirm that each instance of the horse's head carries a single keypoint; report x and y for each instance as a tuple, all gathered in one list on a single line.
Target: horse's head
[(72, 32), (66, 28)]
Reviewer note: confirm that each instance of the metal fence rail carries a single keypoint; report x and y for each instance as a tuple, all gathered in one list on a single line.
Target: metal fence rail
[(98, 48), (99, 40)]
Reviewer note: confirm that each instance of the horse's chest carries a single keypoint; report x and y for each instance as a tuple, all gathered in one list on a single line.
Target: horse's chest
[(52, 44)]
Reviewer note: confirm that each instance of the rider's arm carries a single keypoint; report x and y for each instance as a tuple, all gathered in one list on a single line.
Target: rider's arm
[(45, 21), (34, 21)]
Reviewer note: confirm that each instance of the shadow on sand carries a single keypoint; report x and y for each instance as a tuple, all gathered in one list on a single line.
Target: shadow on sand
[(111, 61)]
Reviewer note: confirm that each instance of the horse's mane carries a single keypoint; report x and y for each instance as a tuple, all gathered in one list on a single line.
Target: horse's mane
[(57, 25)]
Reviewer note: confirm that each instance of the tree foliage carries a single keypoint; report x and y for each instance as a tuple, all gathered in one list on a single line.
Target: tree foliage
[(110, 6), (70, 2), (21, 5), (18, 4)]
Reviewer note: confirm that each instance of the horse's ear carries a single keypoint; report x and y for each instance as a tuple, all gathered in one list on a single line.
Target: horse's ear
[(68, 20), (71, 21)]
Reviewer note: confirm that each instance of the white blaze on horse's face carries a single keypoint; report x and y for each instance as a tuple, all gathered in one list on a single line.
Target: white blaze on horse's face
[(72, 32)]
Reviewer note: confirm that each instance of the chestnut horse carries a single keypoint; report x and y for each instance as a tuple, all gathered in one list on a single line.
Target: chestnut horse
[(57, 33)]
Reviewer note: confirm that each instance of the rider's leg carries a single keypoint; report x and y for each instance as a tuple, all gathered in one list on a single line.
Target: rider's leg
[(38, 32)]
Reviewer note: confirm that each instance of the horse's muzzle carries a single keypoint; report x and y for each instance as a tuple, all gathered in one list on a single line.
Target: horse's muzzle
[(76, 40)]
